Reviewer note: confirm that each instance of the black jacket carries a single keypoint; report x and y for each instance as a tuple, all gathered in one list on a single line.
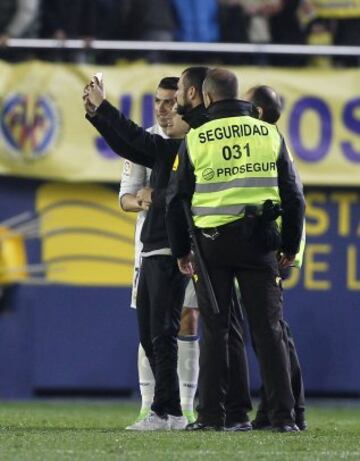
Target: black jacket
[(137, 145), (182, 186)]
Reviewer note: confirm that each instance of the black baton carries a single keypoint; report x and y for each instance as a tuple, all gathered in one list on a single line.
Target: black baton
[(202, 267)]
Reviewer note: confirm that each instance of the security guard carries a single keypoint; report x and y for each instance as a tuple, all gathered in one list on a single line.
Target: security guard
[(269, 105), (236, 172)]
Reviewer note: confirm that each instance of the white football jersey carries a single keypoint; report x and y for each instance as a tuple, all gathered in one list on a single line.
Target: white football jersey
[(135, 177)]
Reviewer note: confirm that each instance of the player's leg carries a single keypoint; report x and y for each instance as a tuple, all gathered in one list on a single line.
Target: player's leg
[(146, 383), (188, 353)]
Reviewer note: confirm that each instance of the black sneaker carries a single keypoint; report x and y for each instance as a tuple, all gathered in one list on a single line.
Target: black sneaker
[(288, 427), (301, 422), (261, 423), (239, 427), (196, 426)]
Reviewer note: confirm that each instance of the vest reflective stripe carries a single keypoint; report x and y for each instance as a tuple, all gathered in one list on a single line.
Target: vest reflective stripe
[(235, 165), (234, 210), (248, 196), (241, 182)]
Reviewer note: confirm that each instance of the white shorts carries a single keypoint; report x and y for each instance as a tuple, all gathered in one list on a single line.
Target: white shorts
[(190, 299)]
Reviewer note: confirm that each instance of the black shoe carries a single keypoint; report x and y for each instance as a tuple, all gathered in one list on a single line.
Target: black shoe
[(196, 426), (289, 427), (261, 424), (239, 427), (301, 423)]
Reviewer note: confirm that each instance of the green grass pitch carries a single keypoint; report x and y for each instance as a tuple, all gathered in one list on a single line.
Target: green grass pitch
[(86, 430)]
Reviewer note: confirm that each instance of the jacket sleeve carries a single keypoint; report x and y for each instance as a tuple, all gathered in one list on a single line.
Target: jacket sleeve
[(180, 190), (158, 198), (292, 202), (152, 145), (117, 143)]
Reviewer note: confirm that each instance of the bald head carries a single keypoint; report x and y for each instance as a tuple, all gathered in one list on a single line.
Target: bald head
[(219, 84), (267, 100)]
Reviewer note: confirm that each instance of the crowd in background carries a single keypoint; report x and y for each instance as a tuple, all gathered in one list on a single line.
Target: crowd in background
[(237, 21)]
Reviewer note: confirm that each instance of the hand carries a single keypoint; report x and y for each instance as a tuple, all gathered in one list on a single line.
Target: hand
[(286, 260), (89, 108), (144, 205), (96, 92), (186, 265), (143, 197)]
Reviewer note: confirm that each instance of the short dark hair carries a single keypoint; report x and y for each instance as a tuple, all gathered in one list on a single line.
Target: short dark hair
[(222, 84), (169, 83), (195, 77), (269, 100)]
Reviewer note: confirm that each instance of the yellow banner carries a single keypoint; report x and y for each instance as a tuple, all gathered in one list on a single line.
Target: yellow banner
[(336, 8), (44, 133)]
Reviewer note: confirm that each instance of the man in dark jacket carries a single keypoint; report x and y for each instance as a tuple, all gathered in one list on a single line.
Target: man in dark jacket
[(161, 285)]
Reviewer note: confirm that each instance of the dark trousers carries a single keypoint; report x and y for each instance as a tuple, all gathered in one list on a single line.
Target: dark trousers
[(238, 399), (235, 254), (159, 302), (296, 380)]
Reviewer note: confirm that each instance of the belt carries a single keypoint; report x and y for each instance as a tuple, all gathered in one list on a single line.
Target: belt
[(251, 212), (214, 232)]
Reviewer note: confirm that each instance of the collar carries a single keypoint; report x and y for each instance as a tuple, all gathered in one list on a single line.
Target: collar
[(162, 133), (196, 116), (231, 108)]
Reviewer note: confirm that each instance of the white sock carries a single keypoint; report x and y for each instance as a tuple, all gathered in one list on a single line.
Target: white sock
[(188, 370), (146, 380)]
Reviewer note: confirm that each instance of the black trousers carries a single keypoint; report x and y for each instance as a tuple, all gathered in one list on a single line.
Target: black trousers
[(235, 253), (296, 379), (159, 302), (238, 398)]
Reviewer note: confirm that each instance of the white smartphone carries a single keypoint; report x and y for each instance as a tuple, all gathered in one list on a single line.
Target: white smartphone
[(99, 76)]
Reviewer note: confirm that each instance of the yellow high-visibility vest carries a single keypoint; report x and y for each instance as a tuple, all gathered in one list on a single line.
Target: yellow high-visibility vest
[(234, 163)]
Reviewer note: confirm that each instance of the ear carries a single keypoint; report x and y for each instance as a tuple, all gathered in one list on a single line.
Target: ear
[(207, 99), (191, 92), (261, 112)]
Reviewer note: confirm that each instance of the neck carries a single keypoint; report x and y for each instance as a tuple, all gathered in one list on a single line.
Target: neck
[(196, 102)]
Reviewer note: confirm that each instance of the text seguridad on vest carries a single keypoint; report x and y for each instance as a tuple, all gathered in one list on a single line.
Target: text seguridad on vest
[(232, 131)]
